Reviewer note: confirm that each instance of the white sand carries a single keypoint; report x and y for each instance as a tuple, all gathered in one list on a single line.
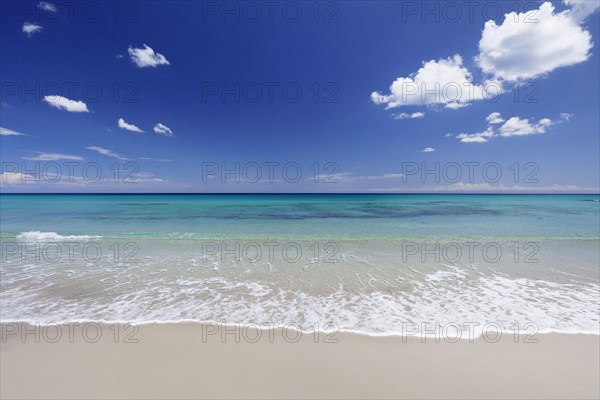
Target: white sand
[(173, 361)]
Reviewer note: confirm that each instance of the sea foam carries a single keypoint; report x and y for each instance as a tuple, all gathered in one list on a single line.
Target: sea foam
[(37, 236)]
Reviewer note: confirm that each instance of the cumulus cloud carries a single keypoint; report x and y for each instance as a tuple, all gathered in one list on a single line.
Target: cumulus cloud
[(514, 126), (408, 115), (443, 82), (146, 57), (10, 132), (130, 127), (62, 103), (162, 130), (479, 137), (536, 42), (427, 150), (525, 45), (30, 29), (53, 157), (581, 9), (42, 5), (107, 152), (456, 106), (494, 118)]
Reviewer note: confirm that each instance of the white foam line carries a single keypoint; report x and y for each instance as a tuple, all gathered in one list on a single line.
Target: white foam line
[(286, 326), (38, 236)]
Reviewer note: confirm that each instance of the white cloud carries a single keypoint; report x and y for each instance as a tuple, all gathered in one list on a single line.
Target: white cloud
[(155, 159), (42, 5), (162, 130), (114, 154), (581, 9), (409, 116), (487, 187), (146, 57), (444, 82), (12, 178), (533, 43), (351, 177), (62, 103), (10, 132), (427, 150), (456, 106), (107, 152), (53, 157), (480, 137), (391, 175), (524, 45), (130, 127), (516, 126), (29, 29), (494, 118), (566, 116), (76, 182)]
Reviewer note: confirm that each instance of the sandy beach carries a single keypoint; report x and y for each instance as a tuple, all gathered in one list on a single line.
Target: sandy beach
[(189, 360), (300, 199)]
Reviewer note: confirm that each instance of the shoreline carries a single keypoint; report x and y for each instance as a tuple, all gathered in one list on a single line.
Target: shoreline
[(190, 360), (429, 336)]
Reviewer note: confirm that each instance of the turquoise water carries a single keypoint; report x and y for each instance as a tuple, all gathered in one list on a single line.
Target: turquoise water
[(364, 263), (305, 216)]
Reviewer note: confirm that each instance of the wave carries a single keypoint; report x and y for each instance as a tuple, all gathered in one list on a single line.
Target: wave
[(37, 236), (253, 236), (451, 302)]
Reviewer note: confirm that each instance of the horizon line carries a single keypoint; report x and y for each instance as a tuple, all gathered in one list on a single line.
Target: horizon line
[(303, 193)]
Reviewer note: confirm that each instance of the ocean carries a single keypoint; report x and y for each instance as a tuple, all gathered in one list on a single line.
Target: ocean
[(373, 264)]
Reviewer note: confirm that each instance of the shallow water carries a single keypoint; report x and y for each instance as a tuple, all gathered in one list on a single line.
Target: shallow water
[(366, 263)]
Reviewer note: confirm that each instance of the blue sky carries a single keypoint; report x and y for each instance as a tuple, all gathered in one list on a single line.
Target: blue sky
[(529, 103)]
